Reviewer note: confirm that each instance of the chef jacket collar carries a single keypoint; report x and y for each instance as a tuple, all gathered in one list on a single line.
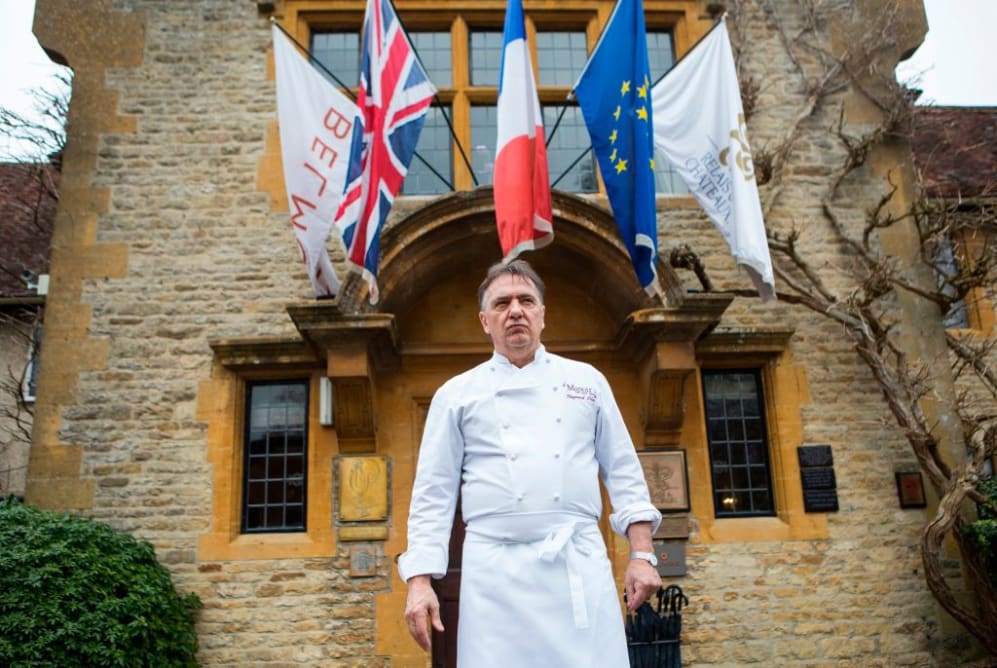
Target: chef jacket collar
[(503, 361)]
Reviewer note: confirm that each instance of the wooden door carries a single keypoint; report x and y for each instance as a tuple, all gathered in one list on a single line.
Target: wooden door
[(448, 592)]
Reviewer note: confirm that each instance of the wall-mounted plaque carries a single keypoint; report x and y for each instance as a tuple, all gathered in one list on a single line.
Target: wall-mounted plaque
[(673, 526), (818, 478), (910, 490), (815, 455), (363, 489), (363, 561), (667, 478), (671, 558), (820, 500), (820, 485)]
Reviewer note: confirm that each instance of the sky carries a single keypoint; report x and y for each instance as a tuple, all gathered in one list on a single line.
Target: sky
[(953, 66)]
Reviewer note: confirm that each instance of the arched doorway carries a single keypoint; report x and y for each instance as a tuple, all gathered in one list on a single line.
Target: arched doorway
[(432, 263)]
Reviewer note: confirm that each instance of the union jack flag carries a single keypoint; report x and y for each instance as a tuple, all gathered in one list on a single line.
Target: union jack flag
[(395, 94)]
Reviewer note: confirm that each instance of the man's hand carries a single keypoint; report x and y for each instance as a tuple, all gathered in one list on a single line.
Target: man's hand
[(641, 581), (422, 608)]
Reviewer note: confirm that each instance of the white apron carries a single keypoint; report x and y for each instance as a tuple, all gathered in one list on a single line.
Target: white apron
[(538, 591), (526, 448)]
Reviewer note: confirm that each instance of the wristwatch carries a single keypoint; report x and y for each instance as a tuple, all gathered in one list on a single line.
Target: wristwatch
[(646, 556)]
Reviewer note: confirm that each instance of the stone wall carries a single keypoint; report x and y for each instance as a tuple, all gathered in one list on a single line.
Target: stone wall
[(167, 240)]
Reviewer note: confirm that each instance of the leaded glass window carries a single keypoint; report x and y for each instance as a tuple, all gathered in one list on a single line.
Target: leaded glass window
[(738, 443), (275, 457)]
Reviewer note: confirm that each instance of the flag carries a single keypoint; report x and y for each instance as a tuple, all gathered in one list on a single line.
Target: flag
[(699, 125), (614, 92), (316, 130), (522, 179), (395, 94)]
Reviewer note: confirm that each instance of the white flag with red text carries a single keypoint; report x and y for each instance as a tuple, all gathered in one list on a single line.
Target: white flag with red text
[(699, 125), (316, 128)]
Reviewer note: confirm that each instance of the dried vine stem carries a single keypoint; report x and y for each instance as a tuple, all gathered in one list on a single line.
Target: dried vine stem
[(869, 309)]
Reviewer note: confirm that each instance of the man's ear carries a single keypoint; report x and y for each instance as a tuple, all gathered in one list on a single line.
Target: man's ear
[(484, 322)]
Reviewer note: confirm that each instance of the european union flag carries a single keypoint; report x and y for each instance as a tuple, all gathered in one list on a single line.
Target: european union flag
[(614, 92)]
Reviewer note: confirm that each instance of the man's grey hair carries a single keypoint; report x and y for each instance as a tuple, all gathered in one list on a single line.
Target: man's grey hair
[(514, 268)]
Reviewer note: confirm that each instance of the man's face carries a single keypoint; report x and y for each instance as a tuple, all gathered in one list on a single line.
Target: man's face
[(513, 317)]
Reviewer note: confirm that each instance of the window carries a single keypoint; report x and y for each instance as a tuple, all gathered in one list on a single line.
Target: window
[(436, 148), (948, 268), (338, 53), (462, 53), (569, 143), (484, 126), (661, 58), (30, 384), (560, 57), (486, 57), (275, 465), (738, 445)]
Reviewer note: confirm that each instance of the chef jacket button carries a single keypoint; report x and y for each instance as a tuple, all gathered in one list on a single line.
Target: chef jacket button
[(557, 455), (558, 419), (557, 497), (519, 498), (505, 425), (554, 388), (513, 456)]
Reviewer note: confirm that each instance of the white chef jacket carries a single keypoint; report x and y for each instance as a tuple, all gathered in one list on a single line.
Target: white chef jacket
[(526, 446)]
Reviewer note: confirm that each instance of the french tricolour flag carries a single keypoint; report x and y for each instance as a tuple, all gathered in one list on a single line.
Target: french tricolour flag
[(522, 180)]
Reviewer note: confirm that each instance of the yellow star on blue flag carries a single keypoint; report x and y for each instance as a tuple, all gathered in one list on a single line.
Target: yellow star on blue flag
[(612, 93)]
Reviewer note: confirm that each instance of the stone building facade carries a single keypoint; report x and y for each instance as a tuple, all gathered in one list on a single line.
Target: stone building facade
[(27, 213), (181, 335)]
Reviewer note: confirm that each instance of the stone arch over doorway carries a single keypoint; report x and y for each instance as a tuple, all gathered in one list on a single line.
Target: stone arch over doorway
[(455, 235)]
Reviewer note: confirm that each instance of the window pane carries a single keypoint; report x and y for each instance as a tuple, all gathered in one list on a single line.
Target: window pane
[(295, 516), (258, 443), (436, 148), (31, 388), (567, 141), (339, 53), (278, 413), (948, 265), (486, 57), (737, 444), (433, 49), (661, 57), (561, 57), (483, 131), (660, 52)]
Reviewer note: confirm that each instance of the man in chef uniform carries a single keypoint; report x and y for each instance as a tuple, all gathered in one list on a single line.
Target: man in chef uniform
[(524, 438)]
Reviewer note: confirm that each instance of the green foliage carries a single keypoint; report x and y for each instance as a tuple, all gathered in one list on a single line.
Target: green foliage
[(988, 509), (982, 534), (74, 592)]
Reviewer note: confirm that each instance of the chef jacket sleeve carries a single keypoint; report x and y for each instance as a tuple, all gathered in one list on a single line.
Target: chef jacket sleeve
[(434, 493), (620, 468)]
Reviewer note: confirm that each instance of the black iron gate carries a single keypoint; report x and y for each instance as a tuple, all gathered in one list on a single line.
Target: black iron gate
[(654, 632)]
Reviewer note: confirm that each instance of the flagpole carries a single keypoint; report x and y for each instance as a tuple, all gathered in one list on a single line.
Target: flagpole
[(439, 104), (675, 64), (557, 123), (571, 166)]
